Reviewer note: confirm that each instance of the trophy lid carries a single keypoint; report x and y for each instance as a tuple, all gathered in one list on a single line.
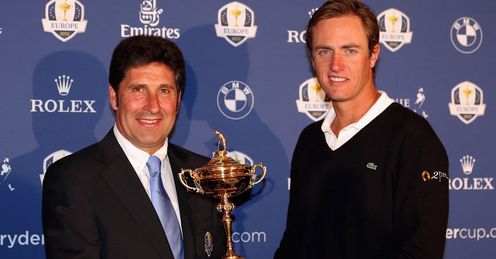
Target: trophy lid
[(221, 163)]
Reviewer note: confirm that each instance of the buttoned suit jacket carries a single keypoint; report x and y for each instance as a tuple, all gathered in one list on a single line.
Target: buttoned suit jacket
[(94, 206)]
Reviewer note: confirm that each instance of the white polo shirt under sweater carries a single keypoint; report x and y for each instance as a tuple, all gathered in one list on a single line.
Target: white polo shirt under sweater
[(351, 130)]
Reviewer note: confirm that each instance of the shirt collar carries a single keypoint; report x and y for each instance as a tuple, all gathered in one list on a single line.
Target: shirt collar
[(379, 106), (136, 156)]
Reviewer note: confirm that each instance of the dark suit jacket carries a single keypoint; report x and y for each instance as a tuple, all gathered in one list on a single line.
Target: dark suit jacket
[(94, 206)]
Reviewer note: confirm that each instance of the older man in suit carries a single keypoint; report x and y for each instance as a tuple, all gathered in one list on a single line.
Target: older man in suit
[(121, 198)]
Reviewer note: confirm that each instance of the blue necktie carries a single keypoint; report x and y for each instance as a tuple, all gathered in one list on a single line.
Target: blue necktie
[(164, 209)]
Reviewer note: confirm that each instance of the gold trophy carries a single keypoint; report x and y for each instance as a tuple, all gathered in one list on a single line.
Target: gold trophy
[(223, 178)]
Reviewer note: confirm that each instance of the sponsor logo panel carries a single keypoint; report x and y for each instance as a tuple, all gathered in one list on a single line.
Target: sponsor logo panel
[(313, 101), (235, 23), (394, 28), (466, 35), (298, 36), (149, 16), (23, 239), (475, 233), (52, 158), (468, 182), (235, 100), (418, 105), (467, 102), (64, 19), (5, 172), (63, 84)]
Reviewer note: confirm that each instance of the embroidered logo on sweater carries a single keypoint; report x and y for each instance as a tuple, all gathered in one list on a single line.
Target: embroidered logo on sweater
[(434, 176), (371, 165)]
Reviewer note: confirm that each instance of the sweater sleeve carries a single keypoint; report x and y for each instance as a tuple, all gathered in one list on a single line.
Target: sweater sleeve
[(421, 200)]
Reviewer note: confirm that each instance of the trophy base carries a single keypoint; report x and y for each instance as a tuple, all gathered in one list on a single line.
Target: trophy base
[(233, 257)]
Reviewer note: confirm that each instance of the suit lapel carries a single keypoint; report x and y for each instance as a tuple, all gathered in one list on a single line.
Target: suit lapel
[(122, 179)]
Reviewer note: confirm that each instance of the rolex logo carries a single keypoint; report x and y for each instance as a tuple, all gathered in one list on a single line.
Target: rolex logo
[(467, 164), (64, 84)]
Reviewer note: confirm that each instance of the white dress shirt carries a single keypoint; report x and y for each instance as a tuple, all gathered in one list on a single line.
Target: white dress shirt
[(138, 159), (351, 130)]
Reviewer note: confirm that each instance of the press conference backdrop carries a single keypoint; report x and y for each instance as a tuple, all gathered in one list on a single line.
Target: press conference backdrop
[(247, 76)]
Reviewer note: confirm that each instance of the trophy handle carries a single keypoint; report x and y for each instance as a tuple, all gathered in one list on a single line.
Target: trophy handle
[(182, 179), (253, 169)]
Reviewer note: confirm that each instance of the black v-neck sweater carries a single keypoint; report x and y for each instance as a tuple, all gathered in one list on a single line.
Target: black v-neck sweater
[(383, 194)]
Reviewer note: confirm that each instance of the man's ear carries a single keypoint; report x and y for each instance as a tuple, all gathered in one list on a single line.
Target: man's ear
[(374, 55), (114, 103)]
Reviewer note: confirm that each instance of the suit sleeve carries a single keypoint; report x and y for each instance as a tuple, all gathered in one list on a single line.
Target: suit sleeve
[(421, 200), (69, 224)]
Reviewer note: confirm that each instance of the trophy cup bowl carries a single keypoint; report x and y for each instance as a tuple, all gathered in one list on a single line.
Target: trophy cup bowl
[(223, 178)]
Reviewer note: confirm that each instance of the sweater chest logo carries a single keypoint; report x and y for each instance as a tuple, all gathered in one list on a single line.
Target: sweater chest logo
[(313, 100), (371, 166)]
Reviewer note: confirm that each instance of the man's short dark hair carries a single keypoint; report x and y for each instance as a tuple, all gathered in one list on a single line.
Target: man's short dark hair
[(339, 8), (142, 50)]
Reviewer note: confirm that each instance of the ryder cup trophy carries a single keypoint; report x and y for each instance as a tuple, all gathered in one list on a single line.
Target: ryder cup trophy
[(223, 178)]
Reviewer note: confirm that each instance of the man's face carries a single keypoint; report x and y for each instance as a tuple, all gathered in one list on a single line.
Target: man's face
[(341, 59), (146, 105)]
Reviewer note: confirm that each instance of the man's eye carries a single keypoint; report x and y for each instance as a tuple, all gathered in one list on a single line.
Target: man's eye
[(351, 51), (165, 90), (324, 52), (137, 89)]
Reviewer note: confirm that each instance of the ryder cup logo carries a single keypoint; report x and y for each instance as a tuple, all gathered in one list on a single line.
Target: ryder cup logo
[(235, 23), (235, 100), (149, 16), (52, 158), (394, 28), (313, 100), (467, 102), (64, 19), (466, 35)]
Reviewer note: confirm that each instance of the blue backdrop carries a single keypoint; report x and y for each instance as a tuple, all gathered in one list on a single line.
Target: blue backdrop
[(248, 77)]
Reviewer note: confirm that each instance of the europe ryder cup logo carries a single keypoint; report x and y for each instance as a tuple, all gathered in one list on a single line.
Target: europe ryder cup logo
[(235, 100), (52, 158), (235, 23), (467, 102), (64, 19), (466, 35), (313, 100), (394, 28)]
